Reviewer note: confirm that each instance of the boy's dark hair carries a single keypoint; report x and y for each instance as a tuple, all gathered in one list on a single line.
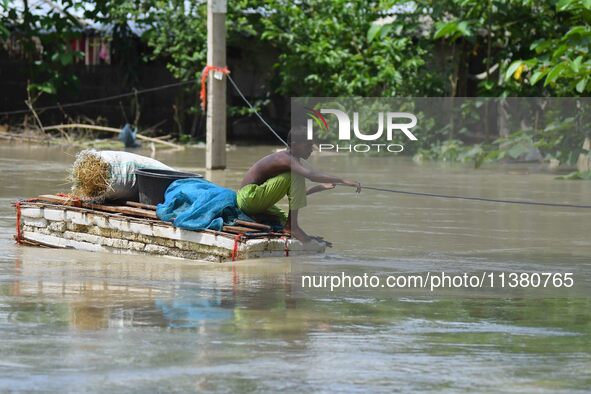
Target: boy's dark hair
[(298, 134)]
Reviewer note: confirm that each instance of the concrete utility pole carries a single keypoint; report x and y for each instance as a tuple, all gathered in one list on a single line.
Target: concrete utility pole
[(215, 156)]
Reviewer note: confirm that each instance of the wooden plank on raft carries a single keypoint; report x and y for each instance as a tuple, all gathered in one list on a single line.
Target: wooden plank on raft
[(239, 229), (59, 199), (125, 210), (258, 226), (142, 213), (140, 205)]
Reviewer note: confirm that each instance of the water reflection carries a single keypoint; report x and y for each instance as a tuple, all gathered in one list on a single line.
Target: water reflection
[(195, 323), (88, 293), (72, 321)]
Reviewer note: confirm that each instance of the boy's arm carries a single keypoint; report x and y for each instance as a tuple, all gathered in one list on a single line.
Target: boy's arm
[(320, 187), (317, 176)]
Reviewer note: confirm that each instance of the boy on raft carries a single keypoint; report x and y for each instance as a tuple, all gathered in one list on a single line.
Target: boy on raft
[(280, 174)]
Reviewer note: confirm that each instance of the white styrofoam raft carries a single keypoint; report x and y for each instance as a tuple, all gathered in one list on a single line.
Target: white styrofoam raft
[(55, 227)]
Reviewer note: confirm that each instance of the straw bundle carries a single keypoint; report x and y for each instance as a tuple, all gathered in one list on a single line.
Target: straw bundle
[(90, 175)]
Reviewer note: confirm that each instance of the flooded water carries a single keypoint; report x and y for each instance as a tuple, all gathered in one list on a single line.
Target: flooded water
[(73, 321)]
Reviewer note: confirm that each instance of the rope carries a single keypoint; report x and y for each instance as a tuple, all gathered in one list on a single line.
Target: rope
[(204, 74), (416, 193), (548, 204), (237, 240), (17, 205), (255, 111)]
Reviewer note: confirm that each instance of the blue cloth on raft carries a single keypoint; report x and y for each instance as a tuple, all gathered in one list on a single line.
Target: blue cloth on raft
[(197, 204)]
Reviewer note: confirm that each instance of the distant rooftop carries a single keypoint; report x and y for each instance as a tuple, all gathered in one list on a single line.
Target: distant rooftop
[(45, 7)]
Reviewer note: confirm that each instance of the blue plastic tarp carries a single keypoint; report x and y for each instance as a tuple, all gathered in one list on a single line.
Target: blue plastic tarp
[(197, 204)]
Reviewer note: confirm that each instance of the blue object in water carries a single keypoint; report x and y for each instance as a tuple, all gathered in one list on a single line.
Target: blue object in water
[(197, 204), (128, 137), (190, 312)]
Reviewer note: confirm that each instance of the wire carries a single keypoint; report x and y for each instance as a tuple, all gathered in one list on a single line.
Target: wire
[(99, 100), (548, 204), (142, 91)]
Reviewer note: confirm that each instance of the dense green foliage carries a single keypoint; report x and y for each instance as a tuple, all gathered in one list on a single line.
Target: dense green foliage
[(365, 48), (561, 60), (378, 48), (326, 50)]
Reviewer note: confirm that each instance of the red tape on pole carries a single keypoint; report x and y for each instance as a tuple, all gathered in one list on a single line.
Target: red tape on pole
[(204, 74)]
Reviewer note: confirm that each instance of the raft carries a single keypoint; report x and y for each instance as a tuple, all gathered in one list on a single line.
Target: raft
[(61, 222)]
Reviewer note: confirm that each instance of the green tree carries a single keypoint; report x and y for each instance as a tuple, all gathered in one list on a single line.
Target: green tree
[(331, 48), (560, 60)]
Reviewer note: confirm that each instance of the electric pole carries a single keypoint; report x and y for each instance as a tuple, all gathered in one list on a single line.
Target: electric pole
[(215, 155)]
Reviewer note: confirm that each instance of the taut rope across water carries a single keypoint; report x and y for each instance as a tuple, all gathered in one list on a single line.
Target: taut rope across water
[(539, 203), (548, 204)]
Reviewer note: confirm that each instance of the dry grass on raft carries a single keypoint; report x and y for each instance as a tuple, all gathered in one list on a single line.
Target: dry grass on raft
[(90, 176)]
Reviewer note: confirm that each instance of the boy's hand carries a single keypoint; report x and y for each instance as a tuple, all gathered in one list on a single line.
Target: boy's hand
[(355, 184), (320, 188)]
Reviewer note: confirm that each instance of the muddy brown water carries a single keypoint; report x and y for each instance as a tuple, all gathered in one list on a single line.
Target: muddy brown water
[(73, 321)]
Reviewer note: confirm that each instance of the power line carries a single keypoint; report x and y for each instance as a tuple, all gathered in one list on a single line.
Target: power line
[(142, 91), (99, 100)]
